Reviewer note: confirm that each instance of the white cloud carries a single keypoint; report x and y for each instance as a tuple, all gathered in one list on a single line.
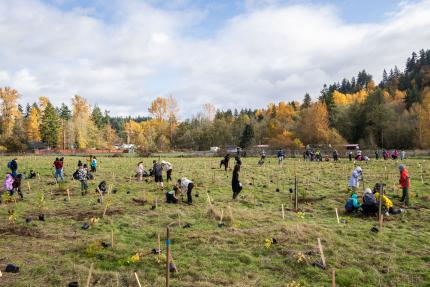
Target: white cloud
[(269, 53)]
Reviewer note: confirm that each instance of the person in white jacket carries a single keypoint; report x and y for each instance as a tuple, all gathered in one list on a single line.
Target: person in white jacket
[(356, 176), (184, 184), (139, 171), (169, 168)]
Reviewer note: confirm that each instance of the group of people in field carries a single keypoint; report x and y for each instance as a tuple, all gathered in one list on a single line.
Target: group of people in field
[(369, 204), (12, 183), (366, 203)]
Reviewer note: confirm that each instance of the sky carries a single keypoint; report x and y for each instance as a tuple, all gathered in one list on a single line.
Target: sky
[(122, 54)]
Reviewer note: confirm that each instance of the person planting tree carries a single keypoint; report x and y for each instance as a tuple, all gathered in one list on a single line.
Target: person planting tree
[(386, 202), (184, 184), (352, 205), (172, 195)]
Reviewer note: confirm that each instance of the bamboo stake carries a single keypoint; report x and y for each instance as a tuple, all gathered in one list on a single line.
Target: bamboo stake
[(111, 237), (337, 215), (333, 278), (167, 257), (89, 275), (283, 211), (321, 252), (137, 279)]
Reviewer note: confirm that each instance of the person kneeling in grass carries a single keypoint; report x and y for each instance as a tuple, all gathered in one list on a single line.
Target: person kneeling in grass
[(352, 205), (370, 205), (186, 184), (387, 204), (172, 195)]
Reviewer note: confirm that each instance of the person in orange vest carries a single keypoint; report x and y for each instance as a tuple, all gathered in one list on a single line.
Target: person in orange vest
[(405, 182)]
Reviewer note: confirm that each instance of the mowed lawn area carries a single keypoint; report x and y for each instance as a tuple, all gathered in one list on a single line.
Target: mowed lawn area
[(239, 252)]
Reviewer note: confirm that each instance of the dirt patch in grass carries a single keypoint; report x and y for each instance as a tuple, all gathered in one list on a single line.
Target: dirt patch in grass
[(21, 231)]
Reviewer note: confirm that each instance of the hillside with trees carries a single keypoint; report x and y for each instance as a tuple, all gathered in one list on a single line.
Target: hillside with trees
[(392, 114)]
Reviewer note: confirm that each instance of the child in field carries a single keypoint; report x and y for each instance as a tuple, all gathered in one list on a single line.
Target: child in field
[(94, 164), (186, 184), (235, 183), (82, 177), (352, 205), (139, 171), (405, 182), (8, 184), (172, 195), (157, 169), (387, 204), (169, 168), (102, 188), (13, 166), (58, 164), (354, 180)]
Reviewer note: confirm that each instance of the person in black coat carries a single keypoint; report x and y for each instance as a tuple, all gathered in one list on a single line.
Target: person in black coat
[(235, 183)]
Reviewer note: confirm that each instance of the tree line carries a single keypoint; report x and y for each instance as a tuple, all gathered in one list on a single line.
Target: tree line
[(392, 114)]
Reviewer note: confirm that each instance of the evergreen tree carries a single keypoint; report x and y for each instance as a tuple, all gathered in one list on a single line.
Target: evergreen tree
[(247, 137), (64, 112), (97, 117), (306, 101), (50, 125)]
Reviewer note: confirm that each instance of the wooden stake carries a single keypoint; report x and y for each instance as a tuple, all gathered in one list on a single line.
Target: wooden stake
[(337, 215), (156, 202), (381, 194), (381, 222), (104, 211), (222, 214), (321, 252), (89, 275), (283, 211), (137, 279), (167, 257), (68, 194), (28, 184), (296, 198), (333, 278), (179, 219), (111, 237), (158, 242)]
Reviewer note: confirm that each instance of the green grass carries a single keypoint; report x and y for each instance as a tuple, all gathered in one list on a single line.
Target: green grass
[(57, 251)]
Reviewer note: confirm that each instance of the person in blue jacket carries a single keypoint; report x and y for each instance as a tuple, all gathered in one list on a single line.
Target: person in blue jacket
[(352, 205)]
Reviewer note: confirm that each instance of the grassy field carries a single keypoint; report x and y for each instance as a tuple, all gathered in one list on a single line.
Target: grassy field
[(57, 251)]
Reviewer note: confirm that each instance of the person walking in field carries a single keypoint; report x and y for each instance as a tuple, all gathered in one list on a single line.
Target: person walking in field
[(224, 162), (157, 169), (350, 156), (402, 155), (184, 184), (58, 165), (169, 168), (83, 178), (236, 186), (94, 164), (405, 182), (281, 156), (139, 171), (335, 155), (354, 180)]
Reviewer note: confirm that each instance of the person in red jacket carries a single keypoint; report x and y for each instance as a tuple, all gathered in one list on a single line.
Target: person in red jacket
[(405, 182)]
